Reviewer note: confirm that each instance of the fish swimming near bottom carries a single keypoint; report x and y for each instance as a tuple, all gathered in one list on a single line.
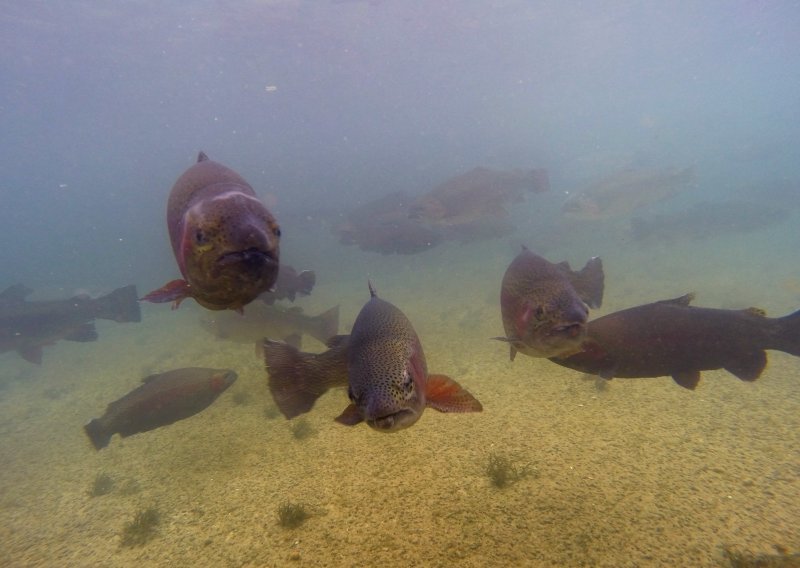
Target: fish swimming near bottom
[(382, 364), (162, 399), (672, 338), (260, 320), (26, 327)]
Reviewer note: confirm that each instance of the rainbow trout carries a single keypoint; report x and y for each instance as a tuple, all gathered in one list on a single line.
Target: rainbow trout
[(382, 364), (226, 242)]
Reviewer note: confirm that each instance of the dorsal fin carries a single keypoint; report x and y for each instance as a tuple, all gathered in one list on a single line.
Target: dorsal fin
[(372, 291), (201, 157), (684, 300)]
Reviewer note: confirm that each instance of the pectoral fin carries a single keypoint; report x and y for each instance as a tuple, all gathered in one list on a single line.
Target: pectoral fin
[(446, 395), (350, 416), (175, 291)]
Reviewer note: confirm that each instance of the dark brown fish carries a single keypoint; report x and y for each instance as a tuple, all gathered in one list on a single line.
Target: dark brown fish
[(225, 240), (672, 338), (381, 362), (471, 197), (289, 284), (27, 327), (262, 320), (161, 400), (545, 306)]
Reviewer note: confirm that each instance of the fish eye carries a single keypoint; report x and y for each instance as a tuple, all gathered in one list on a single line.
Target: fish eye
[(408, 380), (539, 313), (200, 237), (276, 231)]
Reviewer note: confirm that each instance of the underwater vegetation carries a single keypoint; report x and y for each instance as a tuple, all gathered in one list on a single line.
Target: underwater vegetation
[(744, 560), (502, 471), (103, 484), (142, 528), (302, 429), (292, 515)]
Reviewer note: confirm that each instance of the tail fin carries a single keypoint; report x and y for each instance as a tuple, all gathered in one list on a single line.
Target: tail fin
[(326, 325), (121, 305), (307, 280), (297, 379), (589, 282), (99, 436), (787, 334)]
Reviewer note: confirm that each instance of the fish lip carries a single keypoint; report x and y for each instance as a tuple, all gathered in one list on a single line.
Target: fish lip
[(250, 256), (394, 421)]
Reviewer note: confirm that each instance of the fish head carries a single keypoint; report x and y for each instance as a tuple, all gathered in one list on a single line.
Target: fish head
[(553, 328), (387, 384), (229, 249), (221, 379)]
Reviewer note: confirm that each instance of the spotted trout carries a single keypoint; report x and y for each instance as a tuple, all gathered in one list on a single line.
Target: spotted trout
[(672, 338), (545, 306), (382, 364), (226, 242), (161, 400)]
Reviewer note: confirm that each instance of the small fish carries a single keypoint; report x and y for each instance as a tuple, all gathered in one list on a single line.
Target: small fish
[(381, 362), (27, 327), (545, 306), (262, 320), (625, 191), (226, 242), (672, 338), (162, 399)]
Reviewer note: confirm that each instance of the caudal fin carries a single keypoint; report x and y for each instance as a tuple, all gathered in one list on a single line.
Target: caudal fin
[(589, 282), (787, 334), (446, 395), (326, 325), (297, 379), (99, 436), (121, 305)]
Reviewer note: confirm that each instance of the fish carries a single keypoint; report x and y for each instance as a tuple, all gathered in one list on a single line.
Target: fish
[(382, 225), (160, 400), (262, 320), (382, 364), (623, 192), (672, 338), (476, 197), (289, 284), (225, 241), (26, 327), (545, 306), (708, 219)]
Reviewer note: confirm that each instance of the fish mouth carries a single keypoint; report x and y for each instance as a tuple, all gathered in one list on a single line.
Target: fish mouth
[(571, 330), (394, 421), (252, 259)]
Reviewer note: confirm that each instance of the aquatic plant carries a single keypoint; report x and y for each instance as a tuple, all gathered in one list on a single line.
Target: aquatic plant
[(142, 528), (503, 471), (292, 515), (103, 484), (302, 429), (744, 560)]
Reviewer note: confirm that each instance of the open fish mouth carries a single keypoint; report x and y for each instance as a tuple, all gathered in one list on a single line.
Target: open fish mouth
[(394, 421), (573, 330)]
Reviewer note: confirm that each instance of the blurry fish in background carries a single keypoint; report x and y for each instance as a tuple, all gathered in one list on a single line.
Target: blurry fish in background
[(545, 306), (672, 338), (382, 364), (289, 284), (382, 225), (162, 399), (708, 219), (226, 242), (623, 192), (262, 320), (472, 205), (27, 327)]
